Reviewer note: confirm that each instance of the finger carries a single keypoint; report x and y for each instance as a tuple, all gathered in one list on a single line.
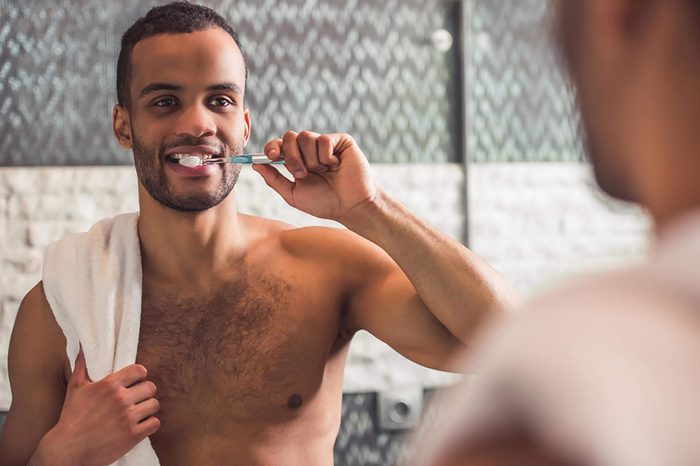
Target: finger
[(146, 409), (276, 181), (140, 391), (326, 148), (80, 373), (129, 375), (292, 155), (273, 149), (148, 426), (309, 151)]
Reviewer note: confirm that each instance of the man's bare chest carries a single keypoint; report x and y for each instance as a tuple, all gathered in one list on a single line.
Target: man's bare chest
[(253, 349)]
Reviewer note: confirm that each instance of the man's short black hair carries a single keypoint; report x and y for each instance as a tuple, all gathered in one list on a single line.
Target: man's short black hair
[(173, 18)]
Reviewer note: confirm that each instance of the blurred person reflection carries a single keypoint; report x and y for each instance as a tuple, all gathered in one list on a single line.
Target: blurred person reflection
[(606, 371)]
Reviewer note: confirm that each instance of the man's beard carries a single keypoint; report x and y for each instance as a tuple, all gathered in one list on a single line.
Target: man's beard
[(156, 183)]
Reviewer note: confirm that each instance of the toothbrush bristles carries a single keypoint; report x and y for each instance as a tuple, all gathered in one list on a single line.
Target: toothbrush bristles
[(191, 161)]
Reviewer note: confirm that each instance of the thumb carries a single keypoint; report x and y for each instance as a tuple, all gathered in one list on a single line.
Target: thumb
[(80, 373), (276, 181)]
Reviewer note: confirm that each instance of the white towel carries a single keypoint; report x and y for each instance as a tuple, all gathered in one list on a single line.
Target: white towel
[(92, 282)]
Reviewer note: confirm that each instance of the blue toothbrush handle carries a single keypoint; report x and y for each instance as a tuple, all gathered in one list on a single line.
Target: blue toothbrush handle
[(258, 159)]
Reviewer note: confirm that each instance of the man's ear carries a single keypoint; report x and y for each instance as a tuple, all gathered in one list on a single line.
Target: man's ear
[(246, 120), (122, 127)]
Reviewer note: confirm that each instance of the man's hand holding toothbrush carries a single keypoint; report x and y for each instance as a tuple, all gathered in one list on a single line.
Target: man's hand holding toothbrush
[(331, 176)]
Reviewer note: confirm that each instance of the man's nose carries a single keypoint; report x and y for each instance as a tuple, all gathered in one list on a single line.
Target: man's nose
[(195, 121)]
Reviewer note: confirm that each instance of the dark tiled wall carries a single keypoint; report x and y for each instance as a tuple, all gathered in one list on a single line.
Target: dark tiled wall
[(360, 440), (362, 66)]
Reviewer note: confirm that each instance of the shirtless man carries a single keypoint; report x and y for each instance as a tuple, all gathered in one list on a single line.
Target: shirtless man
[(245, 330)]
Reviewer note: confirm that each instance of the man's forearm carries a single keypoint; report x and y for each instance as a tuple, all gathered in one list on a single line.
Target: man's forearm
[(458, 287)]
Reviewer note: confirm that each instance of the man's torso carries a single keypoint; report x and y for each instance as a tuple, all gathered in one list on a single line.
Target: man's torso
[(251, 373)]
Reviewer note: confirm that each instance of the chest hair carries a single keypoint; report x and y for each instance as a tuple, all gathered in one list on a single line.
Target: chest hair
[(229, 352)]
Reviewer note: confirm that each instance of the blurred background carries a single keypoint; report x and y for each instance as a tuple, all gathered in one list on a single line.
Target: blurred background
[(458, 104)]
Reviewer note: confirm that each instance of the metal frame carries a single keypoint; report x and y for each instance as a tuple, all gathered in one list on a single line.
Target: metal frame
[(464, 12)]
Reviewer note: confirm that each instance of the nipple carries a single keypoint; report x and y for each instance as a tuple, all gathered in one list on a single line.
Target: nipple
[(295, 401)]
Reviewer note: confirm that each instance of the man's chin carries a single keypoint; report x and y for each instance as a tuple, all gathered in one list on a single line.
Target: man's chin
[(191, 194), (197, 197), (191, 204)]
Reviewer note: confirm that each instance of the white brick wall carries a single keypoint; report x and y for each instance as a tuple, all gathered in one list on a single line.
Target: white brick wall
[(538, 223), (535, 222)]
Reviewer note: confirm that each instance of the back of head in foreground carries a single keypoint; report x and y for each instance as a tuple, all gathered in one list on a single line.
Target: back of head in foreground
[(605, 372)]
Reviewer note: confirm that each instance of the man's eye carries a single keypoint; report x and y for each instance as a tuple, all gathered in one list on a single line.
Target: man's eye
[(221, 102), (167, 102)]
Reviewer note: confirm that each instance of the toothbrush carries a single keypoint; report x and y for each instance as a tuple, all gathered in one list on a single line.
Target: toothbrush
[(193, 161)]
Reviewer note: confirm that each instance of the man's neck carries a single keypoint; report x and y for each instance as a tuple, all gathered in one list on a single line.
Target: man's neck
[(668, 183), (666, 171), (196, 249), (667, 152)]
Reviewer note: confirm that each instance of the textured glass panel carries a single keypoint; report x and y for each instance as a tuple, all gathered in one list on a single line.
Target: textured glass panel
[(361, 442), (519, 106), (362, 66)]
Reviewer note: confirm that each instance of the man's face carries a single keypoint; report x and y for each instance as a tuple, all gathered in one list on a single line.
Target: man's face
[(187, 95), (603, 93)]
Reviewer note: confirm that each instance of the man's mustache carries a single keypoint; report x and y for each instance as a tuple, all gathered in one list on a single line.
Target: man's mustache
[(214, 143)]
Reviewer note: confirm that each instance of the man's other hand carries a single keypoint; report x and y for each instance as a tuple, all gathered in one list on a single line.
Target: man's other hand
[(102, 421)]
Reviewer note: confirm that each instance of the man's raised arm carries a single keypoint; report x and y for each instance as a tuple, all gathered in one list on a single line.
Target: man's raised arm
[(428, 300)]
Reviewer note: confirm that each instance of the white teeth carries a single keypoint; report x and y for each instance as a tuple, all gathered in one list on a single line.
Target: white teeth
[(192, 161), (199, 156)]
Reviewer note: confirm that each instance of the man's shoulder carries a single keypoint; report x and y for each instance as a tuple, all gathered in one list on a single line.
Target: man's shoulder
[(632, 289), (313, 240), (267, 229), (100, 232), (331, 246), (336, 246), (620, 316), (613, 307), (36, 299), (36, 323), (36, 309), (327, 235), (623, 336)]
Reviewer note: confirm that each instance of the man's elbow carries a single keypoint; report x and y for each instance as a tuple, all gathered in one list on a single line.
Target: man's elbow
[(493, 307)]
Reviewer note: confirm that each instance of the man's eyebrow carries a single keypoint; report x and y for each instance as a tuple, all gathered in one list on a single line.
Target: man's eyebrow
[(153, 87), (233, 87)]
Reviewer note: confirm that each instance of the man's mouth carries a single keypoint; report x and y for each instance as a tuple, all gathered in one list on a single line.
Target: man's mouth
[(202, 152)]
